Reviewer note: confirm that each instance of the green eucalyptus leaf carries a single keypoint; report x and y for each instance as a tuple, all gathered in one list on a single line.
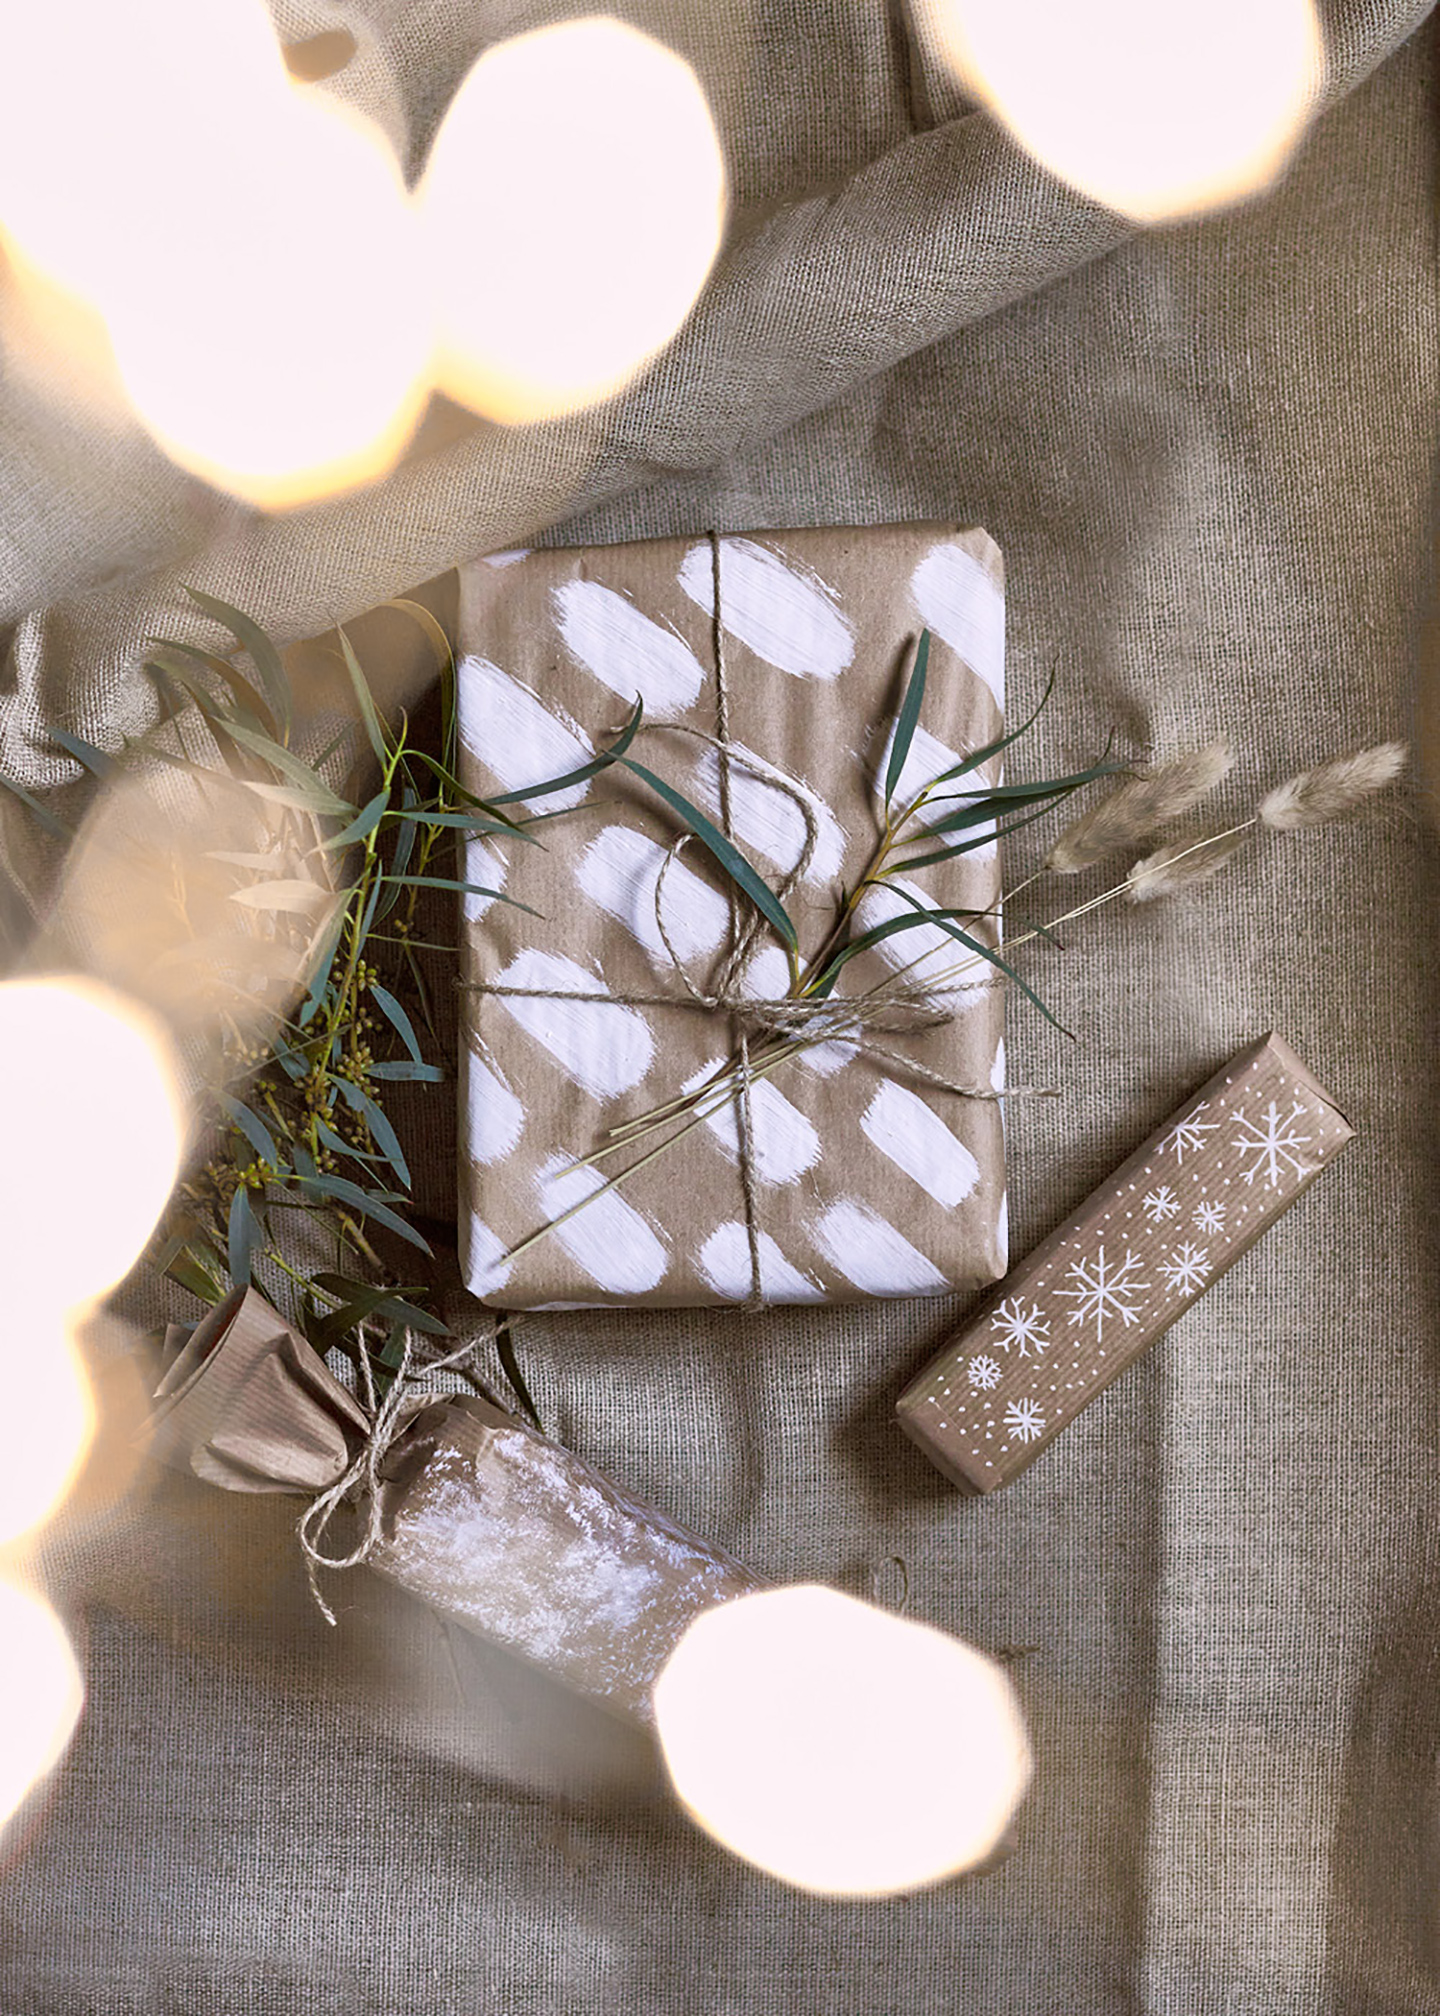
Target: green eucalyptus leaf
[(345, 1192), (374, 728), (467, 888), (253, 708), (364, 822), (391, 1009), (381, 1131), (510, 1365), (745, 878), (908, 717), (338, 1145), (613, 754), (85, 753), (903, 866), (477, 822), (294, 897), (968, 764), (263, 654), (186, 1271), (245, 1238), (300, 775), (251, 1126), (403, 1068), (56, 828)]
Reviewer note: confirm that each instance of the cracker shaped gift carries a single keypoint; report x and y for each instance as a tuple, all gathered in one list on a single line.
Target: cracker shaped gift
[(678, 1086)]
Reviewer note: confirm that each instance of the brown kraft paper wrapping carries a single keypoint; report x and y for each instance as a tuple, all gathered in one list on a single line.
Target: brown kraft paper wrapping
[(1118, 1273), (510, 1535), (867, 1181)]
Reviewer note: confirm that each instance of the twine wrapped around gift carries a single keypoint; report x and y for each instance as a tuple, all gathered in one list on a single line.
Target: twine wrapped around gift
[(899, 1007)]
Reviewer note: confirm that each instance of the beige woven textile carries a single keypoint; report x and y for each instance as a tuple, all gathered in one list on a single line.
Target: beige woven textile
[(1207, 456)]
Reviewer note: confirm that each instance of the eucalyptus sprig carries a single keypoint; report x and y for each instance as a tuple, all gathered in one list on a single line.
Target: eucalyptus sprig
[(295, 1125)]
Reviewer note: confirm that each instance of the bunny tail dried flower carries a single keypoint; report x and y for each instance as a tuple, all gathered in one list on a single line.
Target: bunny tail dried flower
[(1140, 808), (1184, 864), (1330, 790)]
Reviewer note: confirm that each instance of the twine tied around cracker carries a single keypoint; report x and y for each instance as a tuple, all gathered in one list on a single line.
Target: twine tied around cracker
[(899, 1007), (388, 1419)]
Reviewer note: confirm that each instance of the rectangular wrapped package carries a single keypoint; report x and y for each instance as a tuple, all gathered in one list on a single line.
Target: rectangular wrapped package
[(1120, 1270), (512, 1536), (769, 670)]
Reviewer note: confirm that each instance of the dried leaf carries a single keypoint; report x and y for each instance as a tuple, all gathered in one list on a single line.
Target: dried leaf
[(1331, 790), (1139, 809)]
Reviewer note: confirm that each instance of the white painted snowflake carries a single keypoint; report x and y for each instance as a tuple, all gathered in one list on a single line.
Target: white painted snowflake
[(1272, 1140), (1025, 1421), (1020, 1329), (1103, 1288), (1187, 1269), (1161, 1204), (1188, 1135), (1209, 1217), (984, 1372)]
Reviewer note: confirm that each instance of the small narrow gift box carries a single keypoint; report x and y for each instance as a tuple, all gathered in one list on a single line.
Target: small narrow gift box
[(512, 1536), (848, 1174), (1115, 1276)]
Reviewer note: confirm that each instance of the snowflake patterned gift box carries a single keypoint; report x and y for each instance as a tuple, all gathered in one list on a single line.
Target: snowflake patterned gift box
[(1118, 1273), (849, 1171)]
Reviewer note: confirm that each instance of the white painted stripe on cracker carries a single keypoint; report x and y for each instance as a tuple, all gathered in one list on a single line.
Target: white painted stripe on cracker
[(867, 1250), (724, 1261), (1002, 1233), (620, 871), (507, 559), (626, 650), (784, 1144), (486, 1267), (609, 1239), (778, 609), (997, 1069), (602, 1046), (957, 599), (495, 1117), (487, 866), (914, 1137), (515, 737), (766, 820)]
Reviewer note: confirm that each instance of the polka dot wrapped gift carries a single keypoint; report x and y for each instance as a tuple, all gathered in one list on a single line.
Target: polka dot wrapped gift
[(769, 670)]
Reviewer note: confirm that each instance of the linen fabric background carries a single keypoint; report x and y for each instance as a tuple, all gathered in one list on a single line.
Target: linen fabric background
[(1206, 453)]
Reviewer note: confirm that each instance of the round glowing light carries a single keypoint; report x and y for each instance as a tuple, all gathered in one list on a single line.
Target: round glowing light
[(41, 1465), (573, 203), (1157, 110), (281, 376), (778, 1717), (43, 1694), (92, 1118), (111, 109)]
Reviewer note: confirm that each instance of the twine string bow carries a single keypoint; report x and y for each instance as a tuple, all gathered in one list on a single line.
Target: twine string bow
[(388, 1419)]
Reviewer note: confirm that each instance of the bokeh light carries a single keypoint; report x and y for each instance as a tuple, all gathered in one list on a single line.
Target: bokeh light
[(42, 1462), (301, 363), (1155, 109), (573, 204), (835, 1745), (94, 1132), (93, 1137), (43, 1693)]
